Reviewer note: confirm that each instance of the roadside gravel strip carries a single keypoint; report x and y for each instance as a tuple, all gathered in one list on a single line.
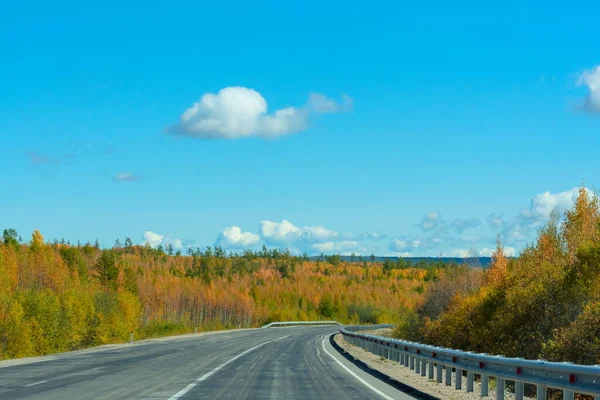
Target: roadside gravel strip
[(395, 372)]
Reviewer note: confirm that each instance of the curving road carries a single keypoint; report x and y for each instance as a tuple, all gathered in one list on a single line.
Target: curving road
[(275, 363)]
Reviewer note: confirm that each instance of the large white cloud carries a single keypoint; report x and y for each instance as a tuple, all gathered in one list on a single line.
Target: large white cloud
[(283, 232), (286, 233), (591, 79), (153, 239), (543, 204), (234, 237), (238, 112)]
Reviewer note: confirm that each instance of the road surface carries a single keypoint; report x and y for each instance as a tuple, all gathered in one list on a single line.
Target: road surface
[(274, 363)]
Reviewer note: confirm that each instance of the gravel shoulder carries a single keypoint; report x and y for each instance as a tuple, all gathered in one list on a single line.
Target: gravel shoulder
[(404, 375)]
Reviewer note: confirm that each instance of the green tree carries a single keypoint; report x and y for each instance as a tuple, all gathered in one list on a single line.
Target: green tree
[(74, 260), (326, 308), (9, 237), (106, 269)]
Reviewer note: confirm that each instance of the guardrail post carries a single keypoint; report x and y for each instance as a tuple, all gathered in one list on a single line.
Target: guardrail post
[(567, 395), (448, 375), (499, 388), (439, 373), (469, 381), (458, 379), (131, 337), (430, 371), (484, 385), (412, 362), (417, 366), (423, 366), (406, 360), (540, 392), (519, 389)]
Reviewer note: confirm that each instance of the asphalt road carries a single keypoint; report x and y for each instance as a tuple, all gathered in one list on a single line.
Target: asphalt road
[(275, 363)]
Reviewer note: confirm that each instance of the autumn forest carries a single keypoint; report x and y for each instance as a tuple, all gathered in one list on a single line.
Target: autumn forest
[(57, 296)]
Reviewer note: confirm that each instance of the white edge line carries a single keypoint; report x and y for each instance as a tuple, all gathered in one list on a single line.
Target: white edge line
[(189, 387), (361, 380), (35, 383)]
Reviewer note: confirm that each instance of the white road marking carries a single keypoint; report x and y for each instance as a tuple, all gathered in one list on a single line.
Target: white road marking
[(361, 380), (35, 383), (189, 387)]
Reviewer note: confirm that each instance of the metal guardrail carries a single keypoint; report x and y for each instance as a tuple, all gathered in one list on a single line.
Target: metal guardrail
[(297, 323), (424, 359)]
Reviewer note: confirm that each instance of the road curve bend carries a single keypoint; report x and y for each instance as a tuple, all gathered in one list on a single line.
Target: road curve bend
[(275, 363)]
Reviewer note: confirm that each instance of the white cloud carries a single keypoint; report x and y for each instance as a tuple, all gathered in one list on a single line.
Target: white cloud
[(286, 233), (335, 247), (126, 177), (543, 204), (591, 79), (173, 241), (283, 232), (238, 112), (153, 239), (318, 234), (233, 237), (459, 253)]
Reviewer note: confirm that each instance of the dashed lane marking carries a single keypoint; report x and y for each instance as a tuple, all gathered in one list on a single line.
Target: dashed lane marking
[(189, 387)]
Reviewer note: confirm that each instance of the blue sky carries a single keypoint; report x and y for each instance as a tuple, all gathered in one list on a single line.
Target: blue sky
[(404, 129)]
